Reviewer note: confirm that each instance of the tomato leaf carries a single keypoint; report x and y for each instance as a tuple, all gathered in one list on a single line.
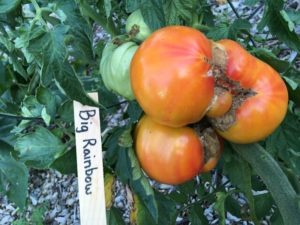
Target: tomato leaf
[(237, 27), (153, 14), (220, 206), (280, 24), (46, 98), (196, 215), (8, 5), (263, 204), (66, 164), (251, 2), (272, 175), (114, 217), (39, 149), (268, 57), (240, 173), (285, 141), (167, 211), (178, 9), (13, 176)]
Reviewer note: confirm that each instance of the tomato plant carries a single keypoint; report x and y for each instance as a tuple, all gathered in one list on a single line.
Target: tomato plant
[(171, 81)]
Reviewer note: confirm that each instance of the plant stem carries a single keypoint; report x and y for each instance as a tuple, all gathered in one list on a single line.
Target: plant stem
[(239, 17), (233, 9), (106, 24), (19, 117), (255, 11), (274, 178)]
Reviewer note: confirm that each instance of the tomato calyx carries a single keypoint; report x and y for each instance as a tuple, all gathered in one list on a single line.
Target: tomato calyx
[(225, 84), (212, 144)]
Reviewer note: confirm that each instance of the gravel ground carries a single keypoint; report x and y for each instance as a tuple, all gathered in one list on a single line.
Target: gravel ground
[(53, 197)]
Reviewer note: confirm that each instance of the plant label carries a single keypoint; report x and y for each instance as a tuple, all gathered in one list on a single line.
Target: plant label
[(89, 163)]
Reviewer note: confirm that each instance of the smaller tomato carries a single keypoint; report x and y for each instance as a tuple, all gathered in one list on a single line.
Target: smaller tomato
[(168, 155), (114, 68), (220, 103)]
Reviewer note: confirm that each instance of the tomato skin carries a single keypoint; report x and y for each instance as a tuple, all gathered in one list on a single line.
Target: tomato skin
[(170, 75), (220, 104), (168, 155), (261, 114), (114, 68)]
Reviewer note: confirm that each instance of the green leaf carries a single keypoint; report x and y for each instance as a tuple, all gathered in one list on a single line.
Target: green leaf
[(251, 2), (69, 83), (153, 14), (13, 175), (292, 78), (50, 49), (286, 17), (66, 164), (40, 148), (237, 27), (196, 215), (274, 178), (6, 125), (114, 217), (279, 24), (167, 211), (263, 205), (8, 5), (107, 7), (285, 141), (218, 32), (31, 107), (134, 111), (66, 111), (178, 9), (268, 57), (294, 16), (240, 174), (132, 5), (18, 67), (6, 80), (220, 206), (46, 98)]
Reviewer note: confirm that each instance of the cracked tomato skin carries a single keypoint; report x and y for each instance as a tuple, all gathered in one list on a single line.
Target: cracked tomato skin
[(168, 155), (170, 75), (262, 113)]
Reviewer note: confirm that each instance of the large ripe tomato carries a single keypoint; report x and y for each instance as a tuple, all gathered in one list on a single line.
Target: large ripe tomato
[(168, 155), (170, 75), (262, 112)]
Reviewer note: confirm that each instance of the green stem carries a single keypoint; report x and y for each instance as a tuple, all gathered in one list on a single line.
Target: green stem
[(274, 178), (106, 24), (6, 115), (239, 17)]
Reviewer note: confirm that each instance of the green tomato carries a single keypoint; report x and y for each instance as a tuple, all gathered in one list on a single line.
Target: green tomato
[(114, 68), (137, 19)]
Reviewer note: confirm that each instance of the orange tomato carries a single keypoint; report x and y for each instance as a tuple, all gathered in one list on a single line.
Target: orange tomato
[(168, 155), (170, 75), (220, 104), (260, 114)]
